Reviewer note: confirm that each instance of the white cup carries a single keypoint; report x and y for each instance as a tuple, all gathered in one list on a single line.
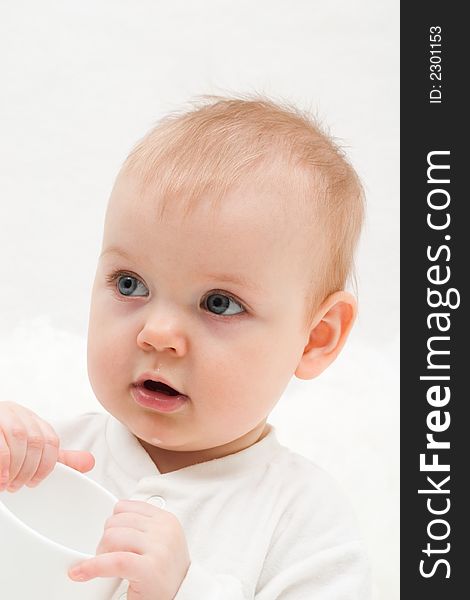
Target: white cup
[(47, 529)]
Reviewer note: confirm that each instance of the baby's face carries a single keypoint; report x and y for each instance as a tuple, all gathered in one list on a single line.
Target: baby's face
[(214, 304)]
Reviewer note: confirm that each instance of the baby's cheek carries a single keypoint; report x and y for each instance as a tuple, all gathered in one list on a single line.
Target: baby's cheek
[(97, 365), (103, 359)]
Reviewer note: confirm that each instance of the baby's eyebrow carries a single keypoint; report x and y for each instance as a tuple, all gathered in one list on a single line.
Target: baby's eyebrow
[(115, 250), (237, 279)]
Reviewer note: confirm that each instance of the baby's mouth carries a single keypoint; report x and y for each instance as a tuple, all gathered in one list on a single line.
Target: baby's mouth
[(158, 386), (157, 395)]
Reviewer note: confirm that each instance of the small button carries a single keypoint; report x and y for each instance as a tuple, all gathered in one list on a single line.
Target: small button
[(157, 501), (123, 596)]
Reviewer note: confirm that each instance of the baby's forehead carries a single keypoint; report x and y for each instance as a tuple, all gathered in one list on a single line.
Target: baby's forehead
[(262, 207), (274, 186)]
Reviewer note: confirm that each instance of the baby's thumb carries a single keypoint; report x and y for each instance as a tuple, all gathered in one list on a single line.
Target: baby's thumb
[(77, 459)]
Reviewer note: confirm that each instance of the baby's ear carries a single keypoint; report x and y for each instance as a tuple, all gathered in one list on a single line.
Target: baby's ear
[(328, 333)]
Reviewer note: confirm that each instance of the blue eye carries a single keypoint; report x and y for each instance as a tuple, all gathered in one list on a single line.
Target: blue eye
[(218, 303), (127, 285)]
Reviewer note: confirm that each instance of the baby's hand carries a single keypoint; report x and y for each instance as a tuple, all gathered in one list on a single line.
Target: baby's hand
[(29, 449), (143, 544)]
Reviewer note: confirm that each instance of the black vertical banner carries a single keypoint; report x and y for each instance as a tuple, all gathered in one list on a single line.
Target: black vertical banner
[(435, 254)]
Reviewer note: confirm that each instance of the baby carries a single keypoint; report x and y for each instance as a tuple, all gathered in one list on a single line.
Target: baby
[(228, 240)]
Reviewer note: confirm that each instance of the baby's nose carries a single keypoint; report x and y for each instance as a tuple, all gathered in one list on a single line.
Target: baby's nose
[(163, 334)]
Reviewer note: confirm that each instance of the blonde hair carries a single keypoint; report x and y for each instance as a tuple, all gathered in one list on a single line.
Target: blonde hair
[(206, 150)]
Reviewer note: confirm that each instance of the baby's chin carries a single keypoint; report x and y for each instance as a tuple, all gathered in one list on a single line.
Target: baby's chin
[(167, 444)]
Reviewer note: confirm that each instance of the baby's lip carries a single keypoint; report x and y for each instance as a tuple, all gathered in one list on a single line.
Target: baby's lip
[(149, 375)]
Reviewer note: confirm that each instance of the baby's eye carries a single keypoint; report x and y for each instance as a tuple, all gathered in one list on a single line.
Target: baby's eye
[(127, 285), (219, 303)]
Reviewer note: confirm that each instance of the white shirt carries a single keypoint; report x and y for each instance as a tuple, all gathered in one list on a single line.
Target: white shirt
[(264, 523)]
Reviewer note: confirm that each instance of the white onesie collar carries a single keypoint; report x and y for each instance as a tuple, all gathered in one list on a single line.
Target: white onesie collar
[(135, 461)]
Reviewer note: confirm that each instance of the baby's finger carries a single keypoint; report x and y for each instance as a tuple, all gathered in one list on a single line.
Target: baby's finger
[(130, 520), (16, 436), (80, 460), (125, 565), (34, 448), (4, 462), (49, 456)]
